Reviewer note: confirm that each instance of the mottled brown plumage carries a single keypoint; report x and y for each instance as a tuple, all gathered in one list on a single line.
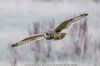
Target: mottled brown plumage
[(55, 34)]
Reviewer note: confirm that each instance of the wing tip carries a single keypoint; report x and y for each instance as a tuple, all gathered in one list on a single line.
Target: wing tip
[(84, 14), (13, 45)]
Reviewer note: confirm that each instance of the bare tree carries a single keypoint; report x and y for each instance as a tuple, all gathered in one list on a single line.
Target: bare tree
[(37, 46), (14, 56), (49, 43), (84, 37), (35, 30), (80, 38)]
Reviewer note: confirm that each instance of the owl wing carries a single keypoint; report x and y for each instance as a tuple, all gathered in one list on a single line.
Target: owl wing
[(26, 40), (69, 22)]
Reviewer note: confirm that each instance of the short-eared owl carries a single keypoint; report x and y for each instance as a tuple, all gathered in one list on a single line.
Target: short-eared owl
[(55, 34)]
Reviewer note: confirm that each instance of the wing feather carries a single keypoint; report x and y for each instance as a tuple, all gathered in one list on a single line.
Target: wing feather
[(26, 40), (69, 22)]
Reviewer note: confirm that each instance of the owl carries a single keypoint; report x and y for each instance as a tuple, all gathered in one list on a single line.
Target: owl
[(54, 34)]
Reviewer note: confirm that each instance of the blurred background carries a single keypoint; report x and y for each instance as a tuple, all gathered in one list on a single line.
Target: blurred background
[(23, 18)]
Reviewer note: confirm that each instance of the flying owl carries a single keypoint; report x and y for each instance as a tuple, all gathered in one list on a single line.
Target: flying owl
[(54, 34)]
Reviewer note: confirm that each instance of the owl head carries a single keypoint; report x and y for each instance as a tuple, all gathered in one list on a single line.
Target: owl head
[(48, 35)]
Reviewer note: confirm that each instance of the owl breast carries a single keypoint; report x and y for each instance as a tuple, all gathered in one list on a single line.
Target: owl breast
[(58, 36)]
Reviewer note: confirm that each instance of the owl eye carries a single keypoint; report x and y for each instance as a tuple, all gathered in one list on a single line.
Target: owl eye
[(47, 34)]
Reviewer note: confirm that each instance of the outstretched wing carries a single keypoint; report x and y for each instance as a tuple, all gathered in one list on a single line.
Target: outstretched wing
[(26, 40), (69, 22)]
